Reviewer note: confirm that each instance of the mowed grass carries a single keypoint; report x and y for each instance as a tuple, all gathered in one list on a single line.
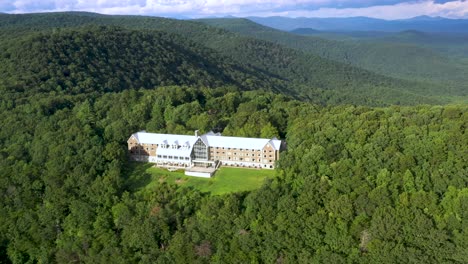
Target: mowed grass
[(225, 180)]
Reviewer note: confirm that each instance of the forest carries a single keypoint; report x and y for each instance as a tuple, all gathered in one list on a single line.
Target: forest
[(363, 180), (362, 185)]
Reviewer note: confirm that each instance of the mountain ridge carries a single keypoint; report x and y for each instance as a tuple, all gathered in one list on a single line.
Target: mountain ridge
[(399, 60), (364, 24)]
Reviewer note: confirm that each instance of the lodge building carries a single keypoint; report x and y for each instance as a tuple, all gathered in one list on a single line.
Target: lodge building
[(207, 150)]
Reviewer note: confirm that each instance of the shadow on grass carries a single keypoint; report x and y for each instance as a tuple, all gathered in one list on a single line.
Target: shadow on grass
[(136, 175)]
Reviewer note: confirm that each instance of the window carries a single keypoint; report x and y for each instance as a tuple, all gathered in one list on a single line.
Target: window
[(186, 158), (164, 157), (200, 151)]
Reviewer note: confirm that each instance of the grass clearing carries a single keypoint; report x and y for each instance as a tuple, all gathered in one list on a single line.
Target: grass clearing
[(226, 180)]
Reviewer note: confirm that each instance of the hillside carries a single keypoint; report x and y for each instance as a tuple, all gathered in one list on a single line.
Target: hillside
[(305, 76), (305, 31), (449, 44), (400, 60), (106, 59), (423, 23)]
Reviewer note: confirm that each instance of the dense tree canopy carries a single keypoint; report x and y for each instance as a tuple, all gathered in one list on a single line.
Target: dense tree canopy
[(357, 184)]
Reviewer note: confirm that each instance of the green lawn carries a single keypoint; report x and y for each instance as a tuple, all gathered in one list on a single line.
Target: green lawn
[(225, 180)]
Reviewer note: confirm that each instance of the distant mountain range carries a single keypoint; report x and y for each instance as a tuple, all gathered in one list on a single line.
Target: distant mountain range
[(421, 23)]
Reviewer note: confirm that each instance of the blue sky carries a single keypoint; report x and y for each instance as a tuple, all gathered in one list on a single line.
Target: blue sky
[(386, 9)]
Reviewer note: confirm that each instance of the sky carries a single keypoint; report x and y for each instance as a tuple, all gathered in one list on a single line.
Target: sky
[(385, 9)]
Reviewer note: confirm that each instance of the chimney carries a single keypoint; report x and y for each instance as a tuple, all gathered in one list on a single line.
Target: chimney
[(196, 133)]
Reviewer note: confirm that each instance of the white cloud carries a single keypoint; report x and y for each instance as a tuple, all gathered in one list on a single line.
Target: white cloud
[(455, 9), (199, 8)]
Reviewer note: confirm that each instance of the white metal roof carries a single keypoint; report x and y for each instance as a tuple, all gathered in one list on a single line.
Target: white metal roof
[(213, 140)]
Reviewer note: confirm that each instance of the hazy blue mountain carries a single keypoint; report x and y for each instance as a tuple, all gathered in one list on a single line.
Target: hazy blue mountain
[(423, 23)]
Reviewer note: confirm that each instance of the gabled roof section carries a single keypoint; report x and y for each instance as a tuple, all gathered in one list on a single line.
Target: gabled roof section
[(276, 143), (132, 136), (203, 139)]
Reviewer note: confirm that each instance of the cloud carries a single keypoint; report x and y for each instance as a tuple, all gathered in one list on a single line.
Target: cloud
[(390, 9), (450, 9)]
